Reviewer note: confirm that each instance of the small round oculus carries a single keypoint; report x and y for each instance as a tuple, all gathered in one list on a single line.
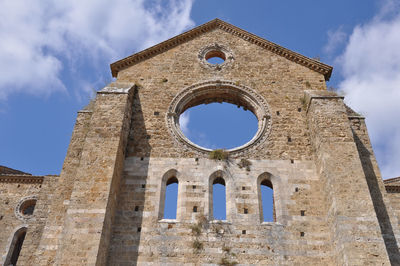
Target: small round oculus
[(25, 208), (215, 56)]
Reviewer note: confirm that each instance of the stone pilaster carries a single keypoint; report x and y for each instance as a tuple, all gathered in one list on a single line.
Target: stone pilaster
[(58, 204), (354, 225), (87, 225)]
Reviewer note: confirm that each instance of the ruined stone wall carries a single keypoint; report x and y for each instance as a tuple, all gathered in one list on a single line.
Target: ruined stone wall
[(14, 191), (45, 254), (143, 235), (351, 210), (308, 145), (385, 204), (140, 234), (106, 208), (395, 204)]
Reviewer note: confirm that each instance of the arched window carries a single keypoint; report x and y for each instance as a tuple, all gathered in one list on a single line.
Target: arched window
[(218, 199), (15, 247), (267, 209), (171, 198)]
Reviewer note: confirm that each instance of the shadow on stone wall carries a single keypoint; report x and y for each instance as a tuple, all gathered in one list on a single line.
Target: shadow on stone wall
[(379, 204), (126, 233), (138, 142)]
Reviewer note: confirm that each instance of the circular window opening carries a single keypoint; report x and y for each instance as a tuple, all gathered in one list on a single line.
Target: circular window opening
[(27, 207), (218, 125), (228, 93), (215, 57)]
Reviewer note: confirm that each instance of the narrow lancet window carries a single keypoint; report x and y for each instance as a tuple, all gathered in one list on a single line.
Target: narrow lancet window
[(267, 199), (171, 198), (15, 247), (219, 199)]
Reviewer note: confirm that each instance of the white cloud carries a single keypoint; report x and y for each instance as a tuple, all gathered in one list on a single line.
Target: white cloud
[(370, 66), (184, 122), (196, 136), (43, 42), (335, 39)]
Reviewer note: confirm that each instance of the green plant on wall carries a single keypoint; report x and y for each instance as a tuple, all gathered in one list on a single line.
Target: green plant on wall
[(244, 163), (303, 101), (196, 229), (219, 154), (227, 262), (197, 245)]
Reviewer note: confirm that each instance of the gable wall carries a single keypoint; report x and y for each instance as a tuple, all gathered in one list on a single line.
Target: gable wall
[(280, 81)]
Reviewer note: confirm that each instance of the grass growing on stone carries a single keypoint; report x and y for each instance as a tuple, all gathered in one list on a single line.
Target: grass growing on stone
[(303, 101), (219, 154), (226, 249), (197, 245), (227, 262), (196, 229)]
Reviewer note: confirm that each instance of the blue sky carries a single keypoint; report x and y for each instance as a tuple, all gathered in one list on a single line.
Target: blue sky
[(54, 54)]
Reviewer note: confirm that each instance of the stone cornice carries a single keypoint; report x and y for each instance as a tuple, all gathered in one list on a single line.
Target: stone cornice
[(28, 179), (312, 64), (392, 180), (392, 185), (355, 117), (392, 189)]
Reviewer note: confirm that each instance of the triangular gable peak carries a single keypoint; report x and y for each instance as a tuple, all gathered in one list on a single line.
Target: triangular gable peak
[(312, 64)]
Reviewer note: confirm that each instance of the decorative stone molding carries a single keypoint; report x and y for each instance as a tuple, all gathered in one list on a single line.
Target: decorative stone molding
[(218, 50), (28, 179), (392, 185), (213, 24), (219, 91), (19, 208), (392, 189)]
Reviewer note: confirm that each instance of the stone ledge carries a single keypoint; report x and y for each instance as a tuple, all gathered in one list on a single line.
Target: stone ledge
[(356, 117), (309, 95), (117, 88)]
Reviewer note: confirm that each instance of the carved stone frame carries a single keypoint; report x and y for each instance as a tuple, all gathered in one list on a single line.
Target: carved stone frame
[(215, 47), (219, 91), (17, 210)]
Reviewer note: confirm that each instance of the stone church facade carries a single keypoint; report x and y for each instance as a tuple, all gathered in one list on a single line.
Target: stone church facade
[(106, 207)]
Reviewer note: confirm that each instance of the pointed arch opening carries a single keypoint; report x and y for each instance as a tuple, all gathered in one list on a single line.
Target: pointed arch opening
[(266, 198), (16, 246)]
